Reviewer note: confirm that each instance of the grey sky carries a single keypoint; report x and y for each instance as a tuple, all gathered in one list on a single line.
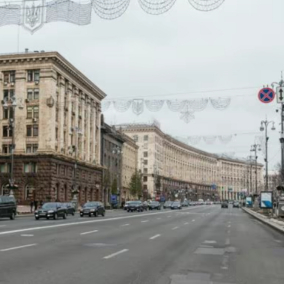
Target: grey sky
[(238, 45)]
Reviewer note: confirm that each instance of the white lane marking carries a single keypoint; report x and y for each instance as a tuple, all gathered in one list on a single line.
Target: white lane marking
[(227, 241), (174, 228), (186, 223), (209, 242), (13, 248), (144, 221), (115, 254), (86, 222), (229, 226), (27, 235), (158, 218), (154, 237), (124, 225), (86, 233), (225, 262), (278, 241), (193, 220)]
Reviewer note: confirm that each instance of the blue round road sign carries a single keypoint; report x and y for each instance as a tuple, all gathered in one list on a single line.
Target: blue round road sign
[(266, 95)]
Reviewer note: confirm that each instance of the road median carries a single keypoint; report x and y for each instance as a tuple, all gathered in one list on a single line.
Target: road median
[(275, 224)]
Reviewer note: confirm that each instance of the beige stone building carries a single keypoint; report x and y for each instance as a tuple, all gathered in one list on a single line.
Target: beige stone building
[(56, 123), (129, 165), (171, 167)]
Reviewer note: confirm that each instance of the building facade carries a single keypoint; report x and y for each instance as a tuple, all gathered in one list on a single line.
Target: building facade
[(171, 167), (53, 112)]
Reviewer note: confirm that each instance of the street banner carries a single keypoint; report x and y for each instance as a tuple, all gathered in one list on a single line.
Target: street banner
[(266, 199), (248, 202)]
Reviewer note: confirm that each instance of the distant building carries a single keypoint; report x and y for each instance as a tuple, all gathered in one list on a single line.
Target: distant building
[(56, 126), (174, 169)]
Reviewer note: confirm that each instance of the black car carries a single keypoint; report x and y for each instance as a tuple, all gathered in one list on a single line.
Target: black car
[(93, 208), (185, 203), (225, 204), (168, 204), (126, 205), (51, 210), (69, 208), (236, 204), (8, 207), (176, 205), (154, 205), (135, 206)]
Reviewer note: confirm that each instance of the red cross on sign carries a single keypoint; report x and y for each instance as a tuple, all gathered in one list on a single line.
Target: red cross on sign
[(266, 95)]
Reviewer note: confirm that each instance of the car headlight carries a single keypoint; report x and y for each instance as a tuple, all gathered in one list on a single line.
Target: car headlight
[(36, 212), (50, 211)]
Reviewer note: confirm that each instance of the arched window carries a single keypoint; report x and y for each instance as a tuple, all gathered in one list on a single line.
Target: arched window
[(29, 189), (65, 192), (86, 194)]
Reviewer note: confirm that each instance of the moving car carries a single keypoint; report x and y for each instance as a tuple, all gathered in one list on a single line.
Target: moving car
[(168, 204), (154, 205), (135, 206), (69, 208), (185, 203), (51, 210), (236, 204), (8, 207), (94, 208), (176, 205), (225, 204)]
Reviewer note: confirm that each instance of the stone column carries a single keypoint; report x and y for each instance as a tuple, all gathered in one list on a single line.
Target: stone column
[(60, 107)]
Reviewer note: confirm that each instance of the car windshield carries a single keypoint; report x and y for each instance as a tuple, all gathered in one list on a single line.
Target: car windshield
[(134, 202), (49, 206), (90, 204), (176, 203)]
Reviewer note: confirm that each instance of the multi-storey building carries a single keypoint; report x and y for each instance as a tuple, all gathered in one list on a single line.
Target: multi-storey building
[(53, 112), (169, 165)]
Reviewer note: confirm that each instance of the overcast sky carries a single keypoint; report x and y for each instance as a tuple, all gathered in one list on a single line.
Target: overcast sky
[(240, 45)]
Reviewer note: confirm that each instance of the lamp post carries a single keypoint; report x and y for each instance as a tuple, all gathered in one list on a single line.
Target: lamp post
[(6, 106), (263, 126), (255, 148)]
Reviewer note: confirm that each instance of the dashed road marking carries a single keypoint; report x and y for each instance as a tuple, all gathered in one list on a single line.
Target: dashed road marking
[(90, 232), (124, 225), (144, 221), (174, 228), (27, 235), (154, 237), (186, 223), (193, 220), (209, 242), (14, 248), (115, 254)]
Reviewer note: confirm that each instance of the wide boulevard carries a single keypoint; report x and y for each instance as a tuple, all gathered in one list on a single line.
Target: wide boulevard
[(195, 245)]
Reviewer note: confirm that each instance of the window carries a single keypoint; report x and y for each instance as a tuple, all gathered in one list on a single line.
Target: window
[(8, 94), (32, 112), (9, 77), (33, 94), (5, 168), (145, 137), (145, 162), (30, 167), (145, 154), (56, 133), (31, 148), (7, 131), (8, 113), (56, 114), (145, 186), (135, 138), (145, 170), (6, 148), (33, 75), (145, 178), (32, 130), (29, 192)]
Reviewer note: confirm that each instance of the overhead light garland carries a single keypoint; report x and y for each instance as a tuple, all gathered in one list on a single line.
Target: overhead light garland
[(33, 14)]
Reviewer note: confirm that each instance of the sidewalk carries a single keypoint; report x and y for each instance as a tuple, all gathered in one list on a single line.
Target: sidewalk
[(276, 224)]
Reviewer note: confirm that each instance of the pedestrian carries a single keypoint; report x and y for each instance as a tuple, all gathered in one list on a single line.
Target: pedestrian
[(32, 205), (36, 204)]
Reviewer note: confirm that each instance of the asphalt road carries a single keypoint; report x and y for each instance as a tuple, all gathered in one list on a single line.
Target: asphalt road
[(197, 245)]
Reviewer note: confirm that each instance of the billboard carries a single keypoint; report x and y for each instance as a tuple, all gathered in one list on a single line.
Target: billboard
[(266, 200), (248, 202)]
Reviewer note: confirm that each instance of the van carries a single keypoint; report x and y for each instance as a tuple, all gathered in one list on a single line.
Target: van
[(8, 207)]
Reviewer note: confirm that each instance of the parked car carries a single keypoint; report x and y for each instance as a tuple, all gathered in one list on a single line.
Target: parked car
[(176, 205), (236, 204), (185, 203), (94, 208), (126, 205), (167, 204), (224, 204), (69, 208), (135, 206), (155, 205), (51, 210), (8, 207)]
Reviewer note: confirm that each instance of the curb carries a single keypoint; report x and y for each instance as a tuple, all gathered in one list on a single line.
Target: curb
[(265, 221)]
